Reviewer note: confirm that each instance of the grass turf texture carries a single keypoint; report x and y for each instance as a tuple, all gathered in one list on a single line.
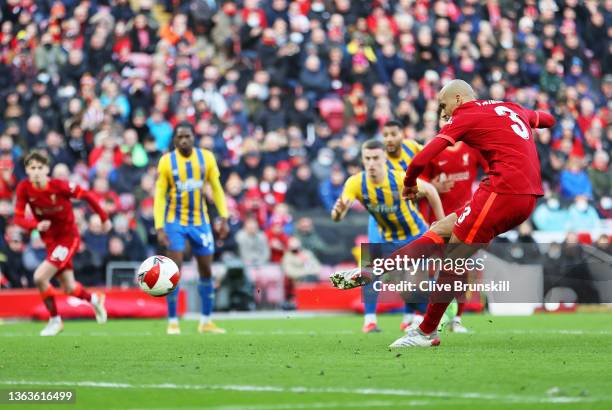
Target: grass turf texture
[(538, 362)]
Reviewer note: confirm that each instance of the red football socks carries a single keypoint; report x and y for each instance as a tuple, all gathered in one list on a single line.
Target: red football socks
[(80, 292), (428, 244), (48, 297)]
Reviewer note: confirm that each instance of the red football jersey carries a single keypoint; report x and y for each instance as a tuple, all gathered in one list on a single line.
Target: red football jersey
[(501, 132), (458, 163), (51, 203)]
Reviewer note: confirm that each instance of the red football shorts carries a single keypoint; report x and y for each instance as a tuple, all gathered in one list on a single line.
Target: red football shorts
[(489, 214), (61, 249)]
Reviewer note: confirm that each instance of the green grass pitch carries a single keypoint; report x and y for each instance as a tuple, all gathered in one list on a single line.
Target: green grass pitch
[(538, 362)]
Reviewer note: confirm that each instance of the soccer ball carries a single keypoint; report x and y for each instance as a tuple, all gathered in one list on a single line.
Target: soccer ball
[(158, 275)]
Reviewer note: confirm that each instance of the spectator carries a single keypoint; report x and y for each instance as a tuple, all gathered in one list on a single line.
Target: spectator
[(11, 263), (49, 56), (134, 248), (574, 180), (303, 189), (8, 182), (331, 188), (127, 177), (116, 251), (84, 262), (314, 79), (252, 244), (277, 241), (549, 216), (582, 216), (96, 240), (298, 265), (600, 174), (57, 153)]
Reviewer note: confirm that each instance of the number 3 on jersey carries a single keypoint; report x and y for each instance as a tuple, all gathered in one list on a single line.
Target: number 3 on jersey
[(519, 126)]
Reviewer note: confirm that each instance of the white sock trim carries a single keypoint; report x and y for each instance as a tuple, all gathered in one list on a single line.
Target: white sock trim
[(205, 319), (370, 318), (173, 320)]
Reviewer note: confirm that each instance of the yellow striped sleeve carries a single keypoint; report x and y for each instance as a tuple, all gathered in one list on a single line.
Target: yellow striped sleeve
[(161, 191), (352, 188)]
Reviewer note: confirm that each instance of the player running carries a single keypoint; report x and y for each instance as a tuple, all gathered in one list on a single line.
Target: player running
[(399, 154), (181, 215), (397, 221), (501, 132), (49, 200)]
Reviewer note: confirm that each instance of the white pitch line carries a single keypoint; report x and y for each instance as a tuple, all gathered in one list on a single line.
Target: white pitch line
[(305, 406), (546, 331), (508, 398), (236, 332)]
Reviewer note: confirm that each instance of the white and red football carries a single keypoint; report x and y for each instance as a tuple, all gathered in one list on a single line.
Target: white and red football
[(158, 275)]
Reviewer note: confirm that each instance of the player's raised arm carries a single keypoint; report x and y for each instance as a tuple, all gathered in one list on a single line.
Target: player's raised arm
[(75, 191), (419, 162), (213, 177), (430, 192)]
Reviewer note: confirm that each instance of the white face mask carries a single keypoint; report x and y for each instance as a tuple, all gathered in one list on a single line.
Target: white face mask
[(582, 206), (553, 203)]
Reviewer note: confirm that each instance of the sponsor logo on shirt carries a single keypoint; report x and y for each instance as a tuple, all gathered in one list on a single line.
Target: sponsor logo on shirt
[(189, 185)]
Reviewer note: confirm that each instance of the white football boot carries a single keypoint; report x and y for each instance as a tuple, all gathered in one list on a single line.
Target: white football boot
[(348, 279), (97, 301), (457, 327), (53, 328), (414, 337)]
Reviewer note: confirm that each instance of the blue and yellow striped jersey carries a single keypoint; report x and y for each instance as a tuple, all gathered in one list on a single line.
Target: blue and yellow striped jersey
[(181, 181), (408, 150), (398, 219)]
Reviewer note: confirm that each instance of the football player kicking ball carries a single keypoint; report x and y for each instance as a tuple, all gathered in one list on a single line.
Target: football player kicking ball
[(501, 132), (50, 202), (453, 172), (181, 216)]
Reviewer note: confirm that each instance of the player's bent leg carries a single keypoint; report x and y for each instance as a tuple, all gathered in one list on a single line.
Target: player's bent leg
[(42, 278), (206, 291), (444, 227), (74, 288)]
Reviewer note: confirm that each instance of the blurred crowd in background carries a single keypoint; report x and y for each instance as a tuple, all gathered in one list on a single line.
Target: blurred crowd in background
[(282, 92)]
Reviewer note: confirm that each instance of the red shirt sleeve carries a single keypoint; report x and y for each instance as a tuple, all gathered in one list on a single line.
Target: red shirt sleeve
[(20, 206), (422, 159), (455, 128), (540, 119)]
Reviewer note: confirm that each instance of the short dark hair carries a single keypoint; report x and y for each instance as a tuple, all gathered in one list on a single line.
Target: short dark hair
[(183, 124), (38, 156), (373, 144), (394, 123)]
